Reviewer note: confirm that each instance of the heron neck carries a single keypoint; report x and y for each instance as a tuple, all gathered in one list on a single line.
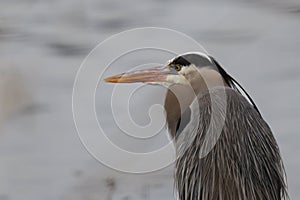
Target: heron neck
[(179, 97)]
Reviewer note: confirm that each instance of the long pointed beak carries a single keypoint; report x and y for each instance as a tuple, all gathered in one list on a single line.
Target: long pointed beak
[(152, 75)]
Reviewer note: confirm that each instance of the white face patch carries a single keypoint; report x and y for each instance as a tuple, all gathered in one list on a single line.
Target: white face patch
[(185, 74), (177, 79), (180, 78), (187, 69), (192, 75)]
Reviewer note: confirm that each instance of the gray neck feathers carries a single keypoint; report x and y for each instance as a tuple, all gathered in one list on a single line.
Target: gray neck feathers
[(243, 161), (179, 97)]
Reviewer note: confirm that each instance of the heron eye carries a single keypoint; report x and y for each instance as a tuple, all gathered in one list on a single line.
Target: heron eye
[(177, 67)]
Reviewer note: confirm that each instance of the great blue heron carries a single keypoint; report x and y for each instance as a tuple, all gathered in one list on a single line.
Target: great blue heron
[(240, 161)]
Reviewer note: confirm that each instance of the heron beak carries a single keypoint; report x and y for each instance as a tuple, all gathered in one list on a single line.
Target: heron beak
[(152, 75)]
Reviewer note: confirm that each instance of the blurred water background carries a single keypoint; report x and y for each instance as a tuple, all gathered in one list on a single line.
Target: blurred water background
[(42, 44)]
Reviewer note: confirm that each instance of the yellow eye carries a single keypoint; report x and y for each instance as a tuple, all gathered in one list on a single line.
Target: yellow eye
[(177, 67)]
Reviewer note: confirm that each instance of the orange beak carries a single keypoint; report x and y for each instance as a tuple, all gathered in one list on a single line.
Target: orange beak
[(152, 75)]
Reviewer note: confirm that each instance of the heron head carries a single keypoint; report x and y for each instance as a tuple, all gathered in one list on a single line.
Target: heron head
[(185, 69)]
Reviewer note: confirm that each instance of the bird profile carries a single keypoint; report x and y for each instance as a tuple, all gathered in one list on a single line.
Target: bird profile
[(225, 149)]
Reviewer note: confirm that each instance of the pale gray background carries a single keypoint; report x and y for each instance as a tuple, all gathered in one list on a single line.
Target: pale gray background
[(42, 44)]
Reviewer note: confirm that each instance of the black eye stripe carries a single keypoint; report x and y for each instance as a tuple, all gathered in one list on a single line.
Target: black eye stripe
[(188, 59), (181, 61)]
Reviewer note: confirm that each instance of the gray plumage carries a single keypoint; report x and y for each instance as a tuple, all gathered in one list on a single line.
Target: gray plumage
[(243, 164), (225, 149)]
